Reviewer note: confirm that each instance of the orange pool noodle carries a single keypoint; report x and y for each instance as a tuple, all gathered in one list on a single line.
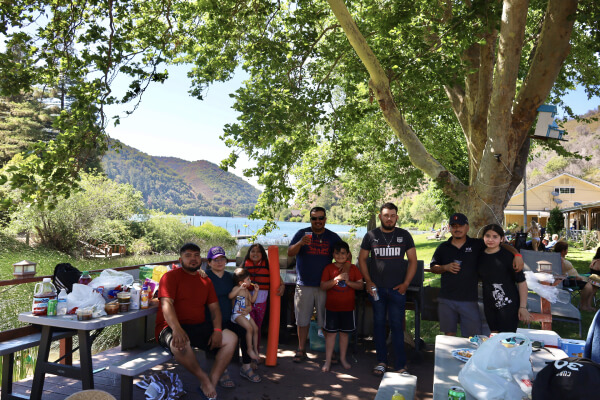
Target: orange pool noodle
[(275, 307)]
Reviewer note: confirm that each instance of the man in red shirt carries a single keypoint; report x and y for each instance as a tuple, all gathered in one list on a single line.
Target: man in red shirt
[(181, 322)]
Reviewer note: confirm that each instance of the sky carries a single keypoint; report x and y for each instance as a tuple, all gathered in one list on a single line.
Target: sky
[(170, 122)]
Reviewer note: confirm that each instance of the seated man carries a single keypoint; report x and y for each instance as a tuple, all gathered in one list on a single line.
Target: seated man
[(181, 324), (551, 244)]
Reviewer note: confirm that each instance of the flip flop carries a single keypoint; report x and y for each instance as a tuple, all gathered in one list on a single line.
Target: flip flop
[(250, 375), (379, 370), (226, 382), (299, 356), (203, 396)]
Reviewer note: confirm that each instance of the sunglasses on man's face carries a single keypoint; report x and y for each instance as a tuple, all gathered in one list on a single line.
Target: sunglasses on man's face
[(317, 218)]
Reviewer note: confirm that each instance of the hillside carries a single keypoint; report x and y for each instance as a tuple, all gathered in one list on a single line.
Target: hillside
[(178, 186), (581, 138)]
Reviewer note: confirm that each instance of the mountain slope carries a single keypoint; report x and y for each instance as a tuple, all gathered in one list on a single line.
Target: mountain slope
[(178, 186)]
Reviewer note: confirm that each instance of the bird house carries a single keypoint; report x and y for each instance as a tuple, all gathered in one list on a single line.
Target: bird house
[(544, 266), (546, 126), (24, 269)]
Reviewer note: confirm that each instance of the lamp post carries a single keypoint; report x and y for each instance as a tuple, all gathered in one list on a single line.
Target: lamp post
[(24, 269)]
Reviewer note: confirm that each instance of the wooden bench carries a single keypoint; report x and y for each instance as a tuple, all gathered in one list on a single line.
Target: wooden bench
[(405, 384), (8, 348), (135, 365)]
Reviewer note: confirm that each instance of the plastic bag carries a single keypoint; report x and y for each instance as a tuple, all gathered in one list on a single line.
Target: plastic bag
[(112, 281), (158, 272), (146, 272), (498, 372), (550, 293), (84, 296)]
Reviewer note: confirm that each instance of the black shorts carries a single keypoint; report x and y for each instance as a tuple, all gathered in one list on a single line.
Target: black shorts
[(339, 321), (199, 335)]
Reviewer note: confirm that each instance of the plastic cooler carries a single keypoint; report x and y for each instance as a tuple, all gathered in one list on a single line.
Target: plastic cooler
[(317, 343), (573, 348)]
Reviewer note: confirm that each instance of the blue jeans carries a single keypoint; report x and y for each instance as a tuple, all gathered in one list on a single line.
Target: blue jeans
[(391, 304)]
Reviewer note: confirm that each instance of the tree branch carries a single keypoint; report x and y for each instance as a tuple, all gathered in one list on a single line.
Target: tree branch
[(380, 85), (552, 49)]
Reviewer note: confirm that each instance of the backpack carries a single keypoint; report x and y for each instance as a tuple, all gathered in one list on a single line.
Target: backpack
[(65, 275), (571, 378)]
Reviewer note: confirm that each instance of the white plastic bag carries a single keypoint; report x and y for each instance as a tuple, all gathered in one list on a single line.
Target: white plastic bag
[(550, 293), (112, 281), (83, 296), (498, 372)]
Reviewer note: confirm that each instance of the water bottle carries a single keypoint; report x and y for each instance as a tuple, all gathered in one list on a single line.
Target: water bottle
[(61, 307)]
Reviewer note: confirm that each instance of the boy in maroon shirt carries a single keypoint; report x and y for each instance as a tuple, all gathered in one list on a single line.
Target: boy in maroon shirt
[(340, 280)]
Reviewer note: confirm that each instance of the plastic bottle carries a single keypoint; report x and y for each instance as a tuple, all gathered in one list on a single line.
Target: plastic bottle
[(397, 396), (44, 291), (85, 278), (61, 307), (144, 298)]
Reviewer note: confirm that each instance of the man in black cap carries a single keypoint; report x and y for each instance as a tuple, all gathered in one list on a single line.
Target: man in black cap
[(456, 260)]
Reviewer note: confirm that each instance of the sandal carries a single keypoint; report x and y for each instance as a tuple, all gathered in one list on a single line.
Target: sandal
[(254, 364), (250, 375), (299, 356), (226, 382), (379, 370)]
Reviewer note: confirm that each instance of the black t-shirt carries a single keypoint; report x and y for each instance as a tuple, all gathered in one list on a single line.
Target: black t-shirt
[(388, 266), (499, 279), (461, 286)]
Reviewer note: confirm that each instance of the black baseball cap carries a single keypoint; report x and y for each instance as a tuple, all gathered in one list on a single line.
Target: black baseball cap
[(458, 218), (566, 379)]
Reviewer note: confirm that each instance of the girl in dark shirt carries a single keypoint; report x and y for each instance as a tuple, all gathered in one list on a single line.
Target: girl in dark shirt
[(504, 291)]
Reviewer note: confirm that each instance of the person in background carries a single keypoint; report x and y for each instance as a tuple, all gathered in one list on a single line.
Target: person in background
[(223, 283), (256, 263), (504, 290), (551, 244), (339, 280), (535, 231), (576, 280), (181, 323), (313, 249), (388, 277)]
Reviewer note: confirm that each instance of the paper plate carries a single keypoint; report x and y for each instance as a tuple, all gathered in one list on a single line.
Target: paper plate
[(463, 354)]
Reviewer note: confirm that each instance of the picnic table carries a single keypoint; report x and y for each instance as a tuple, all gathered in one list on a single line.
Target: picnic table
[(131, 336), (446, 368)]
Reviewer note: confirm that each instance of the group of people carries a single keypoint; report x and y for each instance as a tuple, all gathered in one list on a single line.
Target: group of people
[(326, 285)]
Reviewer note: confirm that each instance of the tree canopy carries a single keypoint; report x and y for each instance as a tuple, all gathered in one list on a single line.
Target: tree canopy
[(457, 84)]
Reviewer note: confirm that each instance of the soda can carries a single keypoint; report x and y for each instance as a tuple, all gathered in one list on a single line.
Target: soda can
[(52, 303), (375, 294), (456, 393)]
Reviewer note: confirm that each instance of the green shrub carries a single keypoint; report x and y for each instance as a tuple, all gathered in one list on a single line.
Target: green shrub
[(211, 235), (166, 233)]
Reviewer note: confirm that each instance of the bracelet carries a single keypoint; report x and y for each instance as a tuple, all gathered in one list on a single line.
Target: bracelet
[(217, 330), (523, 307), (518, 255)]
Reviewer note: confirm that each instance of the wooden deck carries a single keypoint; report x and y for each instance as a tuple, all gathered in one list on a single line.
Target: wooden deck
[(287, 380)]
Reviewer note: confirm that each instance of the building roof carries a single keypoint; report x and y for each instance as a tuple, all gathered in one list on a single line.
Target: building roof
[(582, 206), (558, 176)]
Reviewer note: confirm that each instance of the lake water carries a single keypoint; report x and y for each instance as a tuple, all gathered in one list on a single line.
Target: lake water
[(282, 235)]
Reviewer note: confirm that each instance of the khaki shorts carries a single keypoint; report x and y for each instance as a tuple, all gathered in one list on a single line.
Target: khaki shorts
[(306, 298)]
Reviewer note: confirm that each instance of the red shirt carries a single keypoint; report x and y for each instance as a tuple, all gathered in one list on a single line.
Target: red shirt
[(190, 293), (340, 298)]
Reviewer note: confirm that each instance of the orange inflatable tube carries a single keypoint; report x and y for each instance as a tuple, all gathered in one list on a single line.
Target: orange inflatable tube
[(275, 307)]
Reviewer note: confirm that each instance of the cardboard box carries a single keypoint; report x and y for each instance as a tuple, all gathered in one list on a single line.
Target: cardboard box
[(573, 347), (547, 338)]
